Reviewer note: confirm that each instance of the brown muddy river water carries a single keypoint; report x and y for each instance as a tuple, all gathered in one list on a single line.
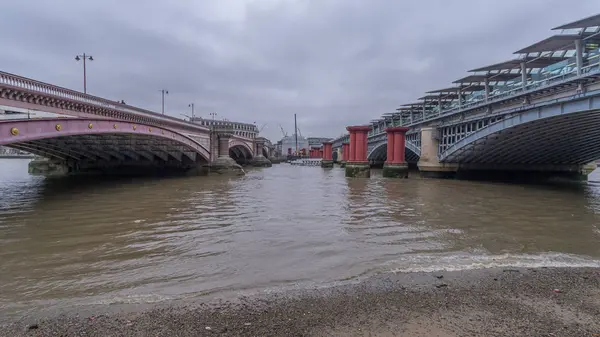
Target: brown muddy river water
[(68, 243)]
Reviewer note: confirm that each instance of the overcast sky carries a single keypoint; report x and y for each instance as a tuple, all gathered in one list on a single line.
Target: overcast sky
[(333, 62)]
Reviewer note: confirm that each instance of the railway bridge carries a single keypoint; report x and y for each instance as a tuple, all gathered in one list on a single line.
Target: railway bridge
[(538, 112)]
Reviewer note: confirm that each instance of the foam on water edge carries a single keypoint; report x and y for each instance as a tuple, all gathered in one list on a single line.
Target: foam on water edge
[(467, 261)]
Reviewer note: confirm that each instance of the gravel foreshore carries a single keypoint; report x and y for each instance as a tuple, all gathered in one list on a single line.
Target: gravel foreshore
[(489, 302)]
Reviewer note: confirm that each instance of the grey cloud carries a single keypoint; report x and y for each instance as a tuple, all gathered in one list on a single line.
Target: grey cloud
[(333, 62)]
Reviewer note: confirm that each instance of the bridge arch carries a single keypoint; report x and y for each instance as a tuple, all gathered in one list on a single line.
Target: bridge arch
[(379, 153), (92, 143), (549, 136), (240, 151)]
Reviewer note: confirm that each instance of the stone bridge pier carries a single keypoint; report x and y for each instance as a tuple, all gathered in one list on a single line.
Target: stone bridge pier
[(429, 163), (223, 163), (259, 159)]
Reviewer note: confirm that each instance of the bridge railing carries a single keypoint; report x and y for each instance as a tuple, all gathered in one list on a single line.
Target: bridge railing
[(53, 90)]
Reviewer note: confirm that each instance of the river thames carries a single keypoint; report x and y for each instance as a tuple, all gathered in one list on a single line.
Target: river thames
[(72, 243)]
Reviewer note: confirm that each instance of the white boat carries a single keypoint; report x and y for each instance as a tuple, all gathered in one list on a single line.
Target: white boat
[(307, 162)]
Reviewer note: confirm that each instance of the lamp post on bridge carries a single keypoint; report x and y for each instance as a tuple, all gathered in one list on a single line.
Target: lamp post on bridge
[(164, 91), (212, 135), (84, 57)]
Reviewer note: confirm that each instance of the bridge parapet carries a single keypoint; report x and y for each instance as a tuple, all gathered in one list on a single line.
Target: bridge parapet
[(32, 94)]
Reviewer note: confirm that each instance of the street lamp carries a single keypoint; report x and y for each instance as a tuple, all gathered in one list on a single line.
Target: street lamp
[(192, 106), (212, 131), (164, 91), (84, 57)]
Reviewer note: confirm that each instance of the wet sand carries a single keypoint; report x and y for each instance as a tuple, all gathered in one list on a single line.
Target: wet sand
[(490, 302)]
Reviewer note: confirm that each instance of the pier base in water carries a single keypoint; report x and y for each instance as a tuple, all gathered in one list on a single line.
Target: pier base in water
[(46, 167), (358, 170), (327, 163), (395, 170), (261, 162), (226, 165)]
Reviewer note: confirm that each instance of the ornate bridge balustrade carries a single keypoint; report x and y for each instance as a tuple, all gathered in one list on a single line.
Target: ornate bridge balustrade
[(85, 131)]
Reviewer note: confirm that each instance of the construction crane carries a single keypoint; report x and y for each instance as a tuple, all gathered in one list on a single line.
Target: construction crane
[(262, 127), (283, 131)]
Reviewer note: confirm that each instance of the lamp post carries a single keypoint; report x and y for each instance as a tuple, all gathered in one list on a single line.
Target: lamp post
[(84, 57), (212, 133), (163, 92)]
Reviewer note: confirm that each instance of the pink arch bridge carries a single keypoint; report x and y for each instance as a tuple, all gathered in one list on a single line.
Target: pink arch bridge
[(88, 132)]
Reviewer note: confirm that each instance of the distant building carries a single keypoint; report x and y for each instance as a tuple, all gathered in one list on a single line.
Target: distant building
[(279, 149), (288, 145), (240, 129), (317, 141)]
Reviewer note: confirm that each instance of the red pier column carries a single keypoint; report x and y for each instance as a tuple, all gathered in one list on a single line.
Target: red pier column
[(395, 165), (327, 151), (357, 165), (390, 146), (327, 155), (358, 143), (352, 147), (345, 151)]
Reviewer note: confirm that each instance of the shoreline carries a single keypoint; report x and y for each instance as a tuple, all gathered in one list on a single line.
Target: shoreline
[(480, 302)]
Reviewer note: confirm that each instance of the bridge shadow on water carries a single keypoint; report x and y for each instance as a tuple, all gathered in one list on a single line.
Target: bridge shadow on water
[(558, 180), (52, 187)]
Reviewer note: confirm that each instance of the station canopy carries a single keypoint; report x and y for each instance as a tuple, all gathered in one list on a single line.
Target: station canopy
[(592, 21), (443, 97), (499, 77), (531, 62), (463, 89), (417, 104), (559, 42)]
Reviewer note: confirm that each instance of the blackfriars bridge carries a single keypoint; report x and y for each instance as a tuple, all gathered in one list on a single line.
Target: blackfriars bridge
[(538, 112), (78, 132)]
